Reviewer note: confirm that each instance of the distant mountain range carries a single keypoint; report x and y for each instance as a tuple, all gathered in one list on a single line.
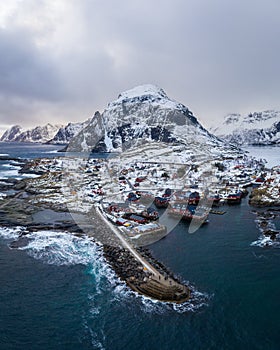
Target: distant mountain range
[(40, 134), (66, 133), (52, 134), (147, 113), (258, 128)]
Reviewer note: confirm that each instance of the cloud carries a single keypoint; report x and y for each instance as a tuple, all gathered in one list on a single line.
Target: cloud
[(65, 59), (25, 71)]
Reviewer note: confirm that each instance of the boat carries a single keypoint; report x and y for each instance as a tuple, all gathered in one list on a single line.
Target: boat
[(214, 199), (186, 213), (218, 212), (150, 214), (194, 198), (161, 202), (234, 198)]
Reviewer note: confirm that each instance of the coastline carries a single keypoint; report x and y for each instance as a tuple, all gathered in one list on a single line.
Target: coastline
[(50, 194), (142, 276)]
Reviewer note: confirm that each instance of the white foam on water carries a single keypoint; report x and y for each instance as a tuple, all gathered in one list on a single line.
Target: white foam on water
[(266, 241), (94, 337), (54, 151), (122, 294), (29, 175), (11, 232), (197, 301), (2, 196), (4, 154), (10, 166), (9, 173), (61, 248)]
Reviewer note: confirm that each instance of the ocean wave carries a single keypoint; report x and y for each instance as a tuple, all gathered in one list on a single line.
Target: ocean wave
[(4, 154), (10, 166), (266, 241), (29, 175), (63, 248), (197, 301), (11, 232), (9, 173), (2, 196)]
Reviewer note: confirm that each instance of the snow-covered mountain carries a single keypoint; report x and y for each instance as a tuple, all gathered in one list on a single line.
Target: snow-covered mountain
[(11, 134), (66, 133), (258, 128), (144, 113), (39, 134)]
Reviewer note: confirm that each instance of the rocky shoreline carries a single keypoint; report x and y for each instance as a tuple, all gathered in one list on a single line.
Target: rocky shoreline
[(26, 204), (265, 221)]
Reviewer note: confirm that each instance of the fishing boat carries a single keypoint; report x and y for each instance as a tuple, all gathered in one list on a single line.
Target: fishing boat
[(161, 202), (150, 214), (186, 213), (214, 199), (234, 198), (194, 198)]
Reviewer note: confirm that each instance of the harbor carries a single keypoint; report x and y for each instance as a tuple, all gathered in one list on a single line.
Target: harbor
[(62, 216), (131, 205)]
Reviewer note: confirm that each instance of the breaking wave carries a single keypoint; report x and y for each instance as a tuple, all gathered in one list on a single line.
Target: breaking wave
[(265, 241), (11, 232), (9, 173), (65, 249), (61, 248)]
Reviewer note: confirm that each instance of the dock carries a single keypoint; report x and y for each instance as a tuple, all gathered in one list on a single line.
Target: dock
[(217, 212)]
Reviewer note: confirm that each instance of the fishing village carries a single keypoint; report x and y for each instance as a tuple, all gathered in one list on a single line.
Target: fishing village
[(125, 203)]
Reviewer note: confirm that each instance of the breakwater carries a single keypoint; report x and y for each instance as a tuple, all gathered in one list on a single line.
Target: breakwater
[(152, 284)]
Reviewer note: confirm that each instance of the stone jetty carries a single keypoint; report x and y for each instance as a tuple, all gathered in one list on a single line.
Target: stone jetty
[(159, 286)]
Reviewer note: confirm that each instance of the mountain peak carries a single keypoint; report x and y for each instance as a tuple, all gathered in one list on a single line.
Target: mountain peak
[(141, 115), (143, 90)]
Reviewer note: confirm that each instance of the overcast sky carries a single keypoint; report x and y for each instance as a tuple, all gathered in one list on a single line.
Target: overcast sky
[(61, 60)]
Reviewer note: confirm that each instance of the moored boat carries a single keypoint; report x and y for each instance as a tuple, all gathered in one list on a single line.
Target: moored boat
[(234, 198), (186, 213), (161, 202)]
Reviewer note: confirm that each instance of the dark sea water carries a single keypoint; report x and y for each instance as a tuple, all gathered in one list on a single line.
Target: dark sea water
[(24, 151), (58, 293)]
